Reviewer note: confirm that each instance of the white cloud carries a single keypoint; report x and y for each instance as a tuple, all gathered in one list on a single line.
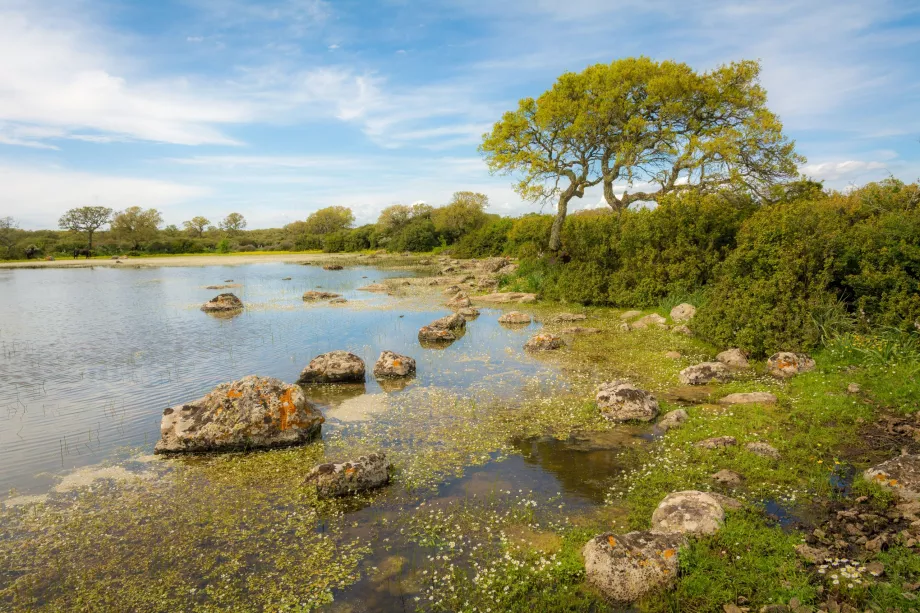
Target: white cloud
[(847, 170)]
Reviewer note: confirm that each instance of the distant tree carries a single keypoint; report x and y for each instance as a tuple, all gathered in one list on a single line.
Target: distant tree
[(421, 209), (171, 230), (393, 218), (233, 223), (8, 228), (136, 225), (330, 219), (465, 213), (86, 219), (196, 225)]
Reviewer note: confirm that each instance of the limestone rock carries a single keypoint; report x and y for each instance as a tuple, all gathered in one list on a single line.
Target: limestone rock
[(900, 474), (726, 502), (622, 401), (338, 301), (469, 313), (707, 372), (683, 312), (786, 364), (333, 267), (717, 442), (682, 329), (673, 419), (506, 297), (674, 355), (580, 330), (391, 365), (568, 318), (764, 450), (459, 301), (626, 567), (314, 295), (493, 265), (430, 334), (374, 287), (333, 367), (854, 388), (649, 321), (689, 512), (365, 473), (630, 315), (544, 342), (514, 318), (222, 303), (749, 398), (733, 358), (454, 321), (253, 412), (727, 477)]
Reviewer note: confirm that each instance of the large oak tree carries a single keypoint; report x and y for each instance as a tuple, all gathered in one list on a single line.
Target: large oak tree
[(86, 219), (643, 129), (136, 224)]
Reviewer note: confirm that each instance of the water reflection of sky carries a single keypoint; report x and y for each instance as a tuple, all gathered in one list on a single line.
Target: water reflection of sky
[(89, 358)]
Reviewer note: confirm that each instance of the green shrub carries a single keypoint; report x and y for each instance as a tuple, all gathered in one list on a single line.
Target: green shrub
[(417, 235), (487, 241)]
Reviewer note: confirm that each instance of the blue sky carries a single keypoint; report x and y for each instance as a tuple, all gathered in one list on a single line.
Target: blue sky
[(280, 107)]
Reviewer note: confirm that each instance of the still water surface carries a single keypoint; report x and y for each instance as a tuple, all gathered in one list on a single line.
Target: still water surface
[(89, 358)]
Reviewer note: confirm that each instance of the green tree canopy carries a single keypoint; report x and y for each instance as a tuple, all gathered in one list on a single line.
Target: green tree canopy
[(8, 228), (196, 225), (136, 224), (233, 223), (330, 219), (465, 213), (86, 219), (643, 129)]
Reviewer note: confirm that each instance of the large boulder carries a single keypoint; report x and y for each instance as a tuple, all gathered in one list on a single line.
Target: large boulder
[(623, 401), (506, 297), (690, 512), (392, 365), (333, 367), (626, 567), (707, 372), (514, 318), (365, 473), (683, 312), (900, 475), (733, 358), (314, 295), (544, 342), (222, 303), (253, 412), (649, 321), (786, 364), (749, 398)]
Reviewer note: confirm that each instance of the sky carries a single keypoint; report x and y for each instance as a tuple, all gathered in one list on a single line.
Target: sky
[(277, 108)]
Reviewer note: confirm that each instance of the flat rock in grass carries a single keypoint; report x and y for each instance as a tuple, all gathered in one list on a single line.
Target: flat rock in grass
[(563, 318), (900, 475), (393, 365), (333, 367), (717, 442), (254, 412), (573, 330), (727, 477), (314, 295), (814, 555), (707, 372), (469, 313), (689, 512), (682, 329), (506, 297), (787, 364), (627, 567), (674, 355), (764, 450), (683, 312), (673, 419), (222, 303), (544, 342), (630, 315), (749, 398), (623, 401), (348, 478), (733, 358), (514, 318), (652, 320)]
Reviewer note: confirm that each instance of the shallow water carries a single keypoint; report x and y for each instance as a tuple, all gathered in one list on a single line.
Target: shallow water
[(89, 358)]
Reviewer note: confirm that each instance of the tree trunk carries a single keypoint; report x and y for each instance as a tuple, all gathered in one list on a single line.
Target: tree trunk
[(555, 236), (90, 233)]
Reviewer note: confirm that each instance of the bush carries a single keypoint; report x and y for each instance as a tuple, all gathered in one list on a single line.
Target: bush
[(487, 241), (418, 235)]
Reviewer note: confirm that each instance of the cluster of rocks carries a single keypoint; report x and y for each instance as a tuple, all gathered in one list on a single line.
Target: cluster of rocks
[(680, 315), (447, 329)]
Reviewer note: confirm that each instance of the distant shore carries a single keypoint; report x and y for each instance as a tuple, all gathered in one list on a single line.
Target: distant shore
[(232, 259)]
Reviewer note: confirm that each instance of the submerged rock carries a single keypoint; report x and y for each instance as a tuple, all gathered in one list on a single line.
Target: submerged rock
[(626, 567), (623, 401), (900, 474), (503, 297), (333, 267), (253, 412), (514, 318), (317, 295), (544, 342), (707, 372), (390, 365), (749, 398), (733, 358), (683, 312), (333, 367), (689, 512), (222, 303), (365, 473), (787, 364), (673, 419)]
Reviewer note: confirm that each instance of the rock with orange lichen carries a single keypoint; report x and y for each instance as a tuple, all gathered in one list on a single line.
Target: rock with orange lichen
[(333, 367), (544, 342), (786, 364), (254, 412), (392, 365), (900, 475), (223, 303), (626, 567), (365, 473)]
